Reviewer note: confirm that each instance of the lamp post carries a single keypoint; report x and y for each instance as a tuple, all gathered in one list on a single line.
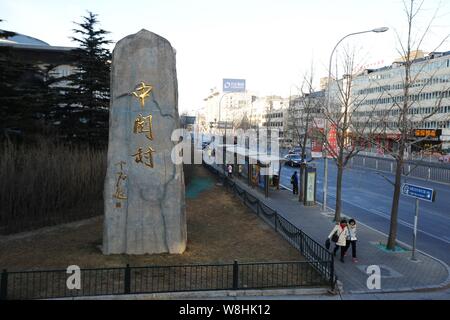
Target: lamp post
[(325, 178), (220, 108)]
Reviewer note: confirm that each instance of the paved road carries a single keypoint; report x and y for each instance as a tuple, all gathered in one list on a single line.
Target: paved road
[(367, 197)]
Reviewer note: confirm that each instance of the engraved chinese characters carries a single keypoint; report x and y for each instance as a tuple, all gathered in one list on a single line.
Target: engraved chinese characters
[(144, 189), (142, 92), (119, 193), (143, 125)]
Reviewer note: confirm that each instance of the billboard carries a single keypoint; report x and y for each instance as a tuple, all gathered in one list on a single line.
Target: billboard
[(233, 85)]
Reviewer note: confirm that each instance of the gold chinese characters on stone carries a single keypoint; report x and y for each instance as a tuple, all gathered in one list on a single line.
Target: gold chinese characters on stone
[(119, 193), (144, 157), (142, 91), (143, 125)]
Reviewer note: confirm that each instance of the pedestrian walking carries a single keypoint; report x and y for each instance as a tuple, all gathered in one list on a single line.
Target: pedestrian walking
[(230, 171), (351, 238), (339, 236), (294, 182)]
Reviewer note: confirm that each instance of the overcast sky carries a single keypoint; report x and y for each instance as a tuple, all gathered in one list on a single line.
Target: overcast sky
[(271, 44)]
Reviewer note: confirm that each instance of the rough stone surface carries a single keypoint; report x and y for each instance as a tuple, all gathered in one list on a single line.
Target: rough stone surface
[(152, 218)]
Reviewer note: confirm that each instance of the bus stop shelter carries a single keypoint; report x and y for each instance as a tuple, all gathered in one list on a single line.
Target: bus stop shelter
[(249, 164)]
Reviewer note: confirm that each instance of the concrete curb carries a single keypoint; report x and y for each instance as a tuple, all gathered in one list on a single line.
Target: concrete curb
[(201, 295)]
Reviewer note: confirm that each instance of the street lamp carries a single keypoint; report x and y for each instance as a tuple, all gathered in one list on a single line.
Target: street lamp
[(220, 107), (325, 178)]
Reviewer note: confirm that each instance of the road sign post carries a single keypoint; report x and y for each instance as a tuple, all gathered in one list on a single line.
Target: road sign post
[(416, 218), (419, 193)]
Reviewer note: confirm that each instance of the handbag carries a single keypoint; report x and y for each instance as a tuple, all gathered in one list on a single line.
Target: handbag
[(327, 244), (335, 237)]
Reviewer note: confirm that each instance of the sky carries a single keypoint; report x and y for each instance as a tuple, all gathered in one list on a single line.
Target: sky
[(271, 44)]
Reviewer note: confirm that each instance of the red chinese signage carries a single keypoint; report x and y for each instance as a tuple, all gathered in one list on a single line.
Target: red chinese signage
[(316, 145), (332, 142)]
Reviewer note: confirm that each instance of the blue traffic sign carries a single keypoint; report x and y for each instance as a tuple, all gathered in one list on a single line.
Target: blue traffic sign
[(418, 192)]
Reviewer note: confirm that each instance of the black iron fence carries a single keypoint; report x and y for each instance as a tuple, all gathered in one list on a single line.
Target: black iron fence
[(318, 270), (317, 255), (159, 279)]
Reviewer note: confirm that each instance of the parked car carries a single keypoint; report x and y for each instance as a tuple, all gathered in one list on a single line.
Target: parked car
[(293, 160), (298, 151), (295, 150), (445, 158)]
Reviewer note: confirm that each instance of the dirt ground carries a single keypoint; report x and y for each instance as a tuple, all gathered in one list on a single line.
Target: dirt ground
[(220, 230)]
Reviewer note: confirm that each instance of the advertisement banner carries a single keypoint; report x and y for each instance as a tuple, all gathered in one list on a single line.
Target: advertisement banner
[(380, 150), (332, 146), (316, 134), (233, 85), (316, 144)]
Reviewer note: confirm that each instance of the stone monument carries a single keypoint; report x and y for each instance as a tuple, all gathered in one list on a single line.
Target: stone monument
[(144, 189)]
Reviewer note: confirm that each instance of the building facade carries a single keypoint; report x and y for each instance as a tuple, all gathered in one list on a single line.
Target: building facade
[(304, 114), (378, 97)]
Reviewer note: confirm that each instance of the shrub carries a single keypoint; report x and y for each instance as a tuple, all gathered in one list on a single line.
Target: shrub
[(48, 183)]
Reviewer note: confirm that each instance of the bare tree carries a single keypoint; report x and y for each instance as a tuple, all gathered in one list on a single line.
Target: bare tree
[(347, 135), (406, 111), (301, 116)]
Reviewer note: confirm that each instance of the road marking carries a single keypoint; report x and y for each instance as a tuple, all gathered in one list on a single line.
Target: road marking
[(386, 216), (400, 221)]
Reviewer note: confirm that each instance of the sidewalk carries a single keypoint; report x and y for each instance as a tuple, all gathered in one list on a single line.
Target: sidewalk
[(398, 272), (434, 295)]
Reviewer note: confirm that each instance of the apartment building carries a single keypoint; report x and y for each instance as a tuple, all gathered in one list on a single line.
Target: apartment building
[(229, 109), (275, 115), (303, 114), (375, 93)]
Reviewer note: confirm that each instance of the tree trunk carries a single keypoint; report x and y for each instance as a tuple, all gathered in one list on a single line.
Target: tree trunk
[(301, 194), (340, 174), (395, 203), (303, 165), (301, 189)]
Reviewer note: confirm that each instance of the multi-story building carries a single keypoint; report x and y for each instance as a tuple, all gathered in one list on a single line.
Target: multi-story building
[(245, 110), (304, 113), (229, 109), (376, 93), (275, 115)]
